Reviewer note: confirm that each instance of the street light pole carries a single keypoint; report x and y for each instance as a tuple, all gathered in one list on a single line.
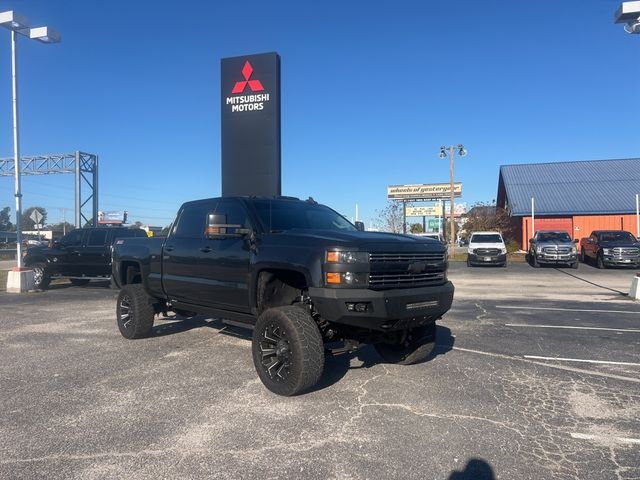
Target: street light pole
[(451, 150), (16, 150)]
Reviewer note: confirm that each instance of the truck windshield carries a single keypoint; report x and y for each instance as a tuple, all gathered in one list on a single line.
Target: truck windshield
[(486, 238), (617, 237), (280, 215), (554, 237)]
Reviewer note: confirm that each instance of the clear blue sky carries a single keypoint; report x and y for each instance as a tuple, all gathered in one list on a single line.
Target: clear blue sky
[(370, 90)]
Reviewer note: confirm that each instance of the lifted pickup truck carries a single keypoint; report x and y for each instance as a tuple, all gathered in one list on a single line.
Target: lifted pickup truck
[(81, 255), (297, 273), (610, 247)]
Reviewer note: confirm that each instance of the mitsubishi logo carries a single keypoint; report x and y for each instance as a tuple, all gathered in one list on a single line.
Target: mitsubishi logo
[(254, 85)]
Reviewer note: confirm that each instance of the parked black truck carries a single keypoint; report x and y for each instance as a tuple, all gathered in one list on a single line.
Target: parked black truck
[(298, 273), (610, 247), (81, 255)]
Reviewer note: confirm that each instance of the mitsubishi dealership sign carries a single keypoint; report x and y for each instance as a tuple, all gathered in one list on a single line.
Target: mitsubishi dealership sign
[(250, 103)]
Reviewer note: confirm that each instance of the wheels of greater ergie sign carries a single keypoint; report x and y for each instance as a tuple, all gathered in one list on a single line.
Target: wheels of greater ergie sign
[(409, 346), (288, 351), (41, 277), (134, 312), (77, 282)]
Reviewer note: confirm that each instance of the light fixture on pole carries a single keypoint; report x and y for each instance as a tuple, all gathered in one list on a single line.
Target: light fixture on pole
[(629, 14), (19, 25), (451, 152)]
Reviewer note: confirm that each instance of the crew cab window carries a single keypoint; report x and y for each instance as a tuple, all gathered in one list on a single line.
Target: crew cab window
[(235, 212), (97, 238), (192, 220), (72, 239)]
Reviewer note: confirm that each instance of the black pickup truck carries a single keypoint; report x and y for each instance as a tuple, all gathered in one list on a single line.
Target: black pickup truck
[(82, 254), (297, 273), (610, 247)]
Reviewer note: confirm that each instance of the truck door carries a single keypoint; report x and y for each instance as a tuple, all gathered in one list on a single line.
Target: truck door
[(182, 273), (225, 261), (94, 256), (68, 262)]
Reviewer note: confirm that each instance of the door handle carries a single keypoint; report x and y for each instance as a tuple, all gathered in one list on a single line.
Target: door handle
[(169, 248), (205, 249)]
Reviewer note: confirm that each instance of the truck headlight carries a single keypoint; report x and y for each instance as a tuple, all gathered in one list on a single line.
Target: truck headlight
[(347, 257), (574, 250), (607, 251), (503, 250), (538, 249), (469, 250)]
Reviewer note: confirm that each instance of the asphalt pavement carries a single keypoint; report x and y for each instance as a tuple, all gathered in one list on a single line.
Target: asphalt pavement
[(536, 376)]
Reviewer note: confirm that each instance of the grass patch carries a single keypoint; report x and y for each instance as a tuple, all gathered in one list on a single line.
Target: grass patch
[(3, 279)]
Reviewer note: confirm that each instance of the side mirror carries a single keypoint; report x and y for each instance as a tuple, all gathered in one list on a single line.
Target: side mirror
[(530, 240), (575, 240), (360, 226)]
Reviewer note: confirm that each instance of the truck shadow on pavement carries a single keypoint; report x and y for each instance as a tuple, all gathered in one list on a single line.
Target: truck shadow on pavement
[(475, 469), (336, 367), (624, 294)]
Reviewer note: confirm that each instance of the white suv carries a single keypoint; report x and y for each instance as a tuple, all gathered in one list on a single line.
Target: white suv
[(486, 248)]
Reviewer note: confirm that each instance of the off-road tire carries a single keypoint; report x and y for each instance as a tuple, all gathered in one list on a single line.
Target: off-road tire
[(575, 265), (134, 312), (600, 261), (78, 282), (419, 344), (41, 278), (583, 257), (288, 351), (468, 263)]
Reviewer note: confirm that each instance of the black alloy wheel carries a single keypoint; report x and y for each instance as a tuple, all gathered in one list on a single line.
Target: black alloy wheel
[(134, 312), (288, 351), (575, 264), (41, 278)]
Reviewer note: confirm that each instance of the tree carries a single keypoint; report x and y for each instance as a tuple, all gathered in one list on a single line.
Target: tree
[(390, 219), (28, 223), (5, 219), (487, 217), (137, 224), (416, 228), (60, 229)]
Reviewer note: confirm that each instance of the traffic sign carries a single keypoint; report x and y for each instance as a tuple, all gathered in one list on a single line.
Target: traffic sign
[(36, 216)]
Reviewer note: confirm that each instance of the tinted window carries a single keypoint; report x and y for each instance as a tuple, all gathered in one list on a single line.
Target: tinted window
[(97, 238), (486, 238), (73, 238), (286, 215), (192, 220), (235, 212), (129, 232), (554, 237), (617, 237)]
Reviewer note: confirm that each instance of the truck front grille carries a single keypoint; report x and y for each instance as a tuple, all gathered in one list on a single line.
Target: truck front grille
[(626, 252), (404, 280), (430, 257), (556, 250), (489, 252)]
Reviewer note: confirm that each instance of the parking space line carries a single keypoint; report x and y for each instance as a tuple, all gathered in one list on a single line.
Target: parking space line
[(600, 438), (566, 368), (565, 309), (633, 330), (561, 359)]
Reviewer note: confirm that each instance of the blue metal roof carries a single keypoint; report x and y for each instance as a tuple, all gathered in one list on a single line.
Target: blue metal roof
[(572, 188)]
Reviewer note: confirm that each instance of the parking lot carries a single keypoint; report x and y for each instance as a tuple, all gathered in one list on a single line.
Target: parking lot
[(536, 376)]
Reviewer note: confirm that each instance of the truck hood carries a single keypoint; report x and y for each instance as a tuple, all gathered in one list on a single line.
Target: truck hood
[(370, 241), (552, 244), (473, 246), (619, 244)]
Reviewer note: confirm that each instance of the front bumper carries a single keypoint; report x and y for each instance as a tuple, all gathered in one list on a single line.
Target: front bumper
[(554, 258), (387, 310), (620, 260), (476, 259)]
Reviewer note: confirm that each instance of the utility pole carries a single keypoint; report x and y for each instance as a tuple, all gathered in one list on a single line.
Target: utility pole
[(451, 151)]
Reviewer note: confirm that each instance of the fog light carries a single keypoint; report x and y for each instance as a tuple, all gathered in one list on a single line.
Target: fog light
[(359, 307)]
